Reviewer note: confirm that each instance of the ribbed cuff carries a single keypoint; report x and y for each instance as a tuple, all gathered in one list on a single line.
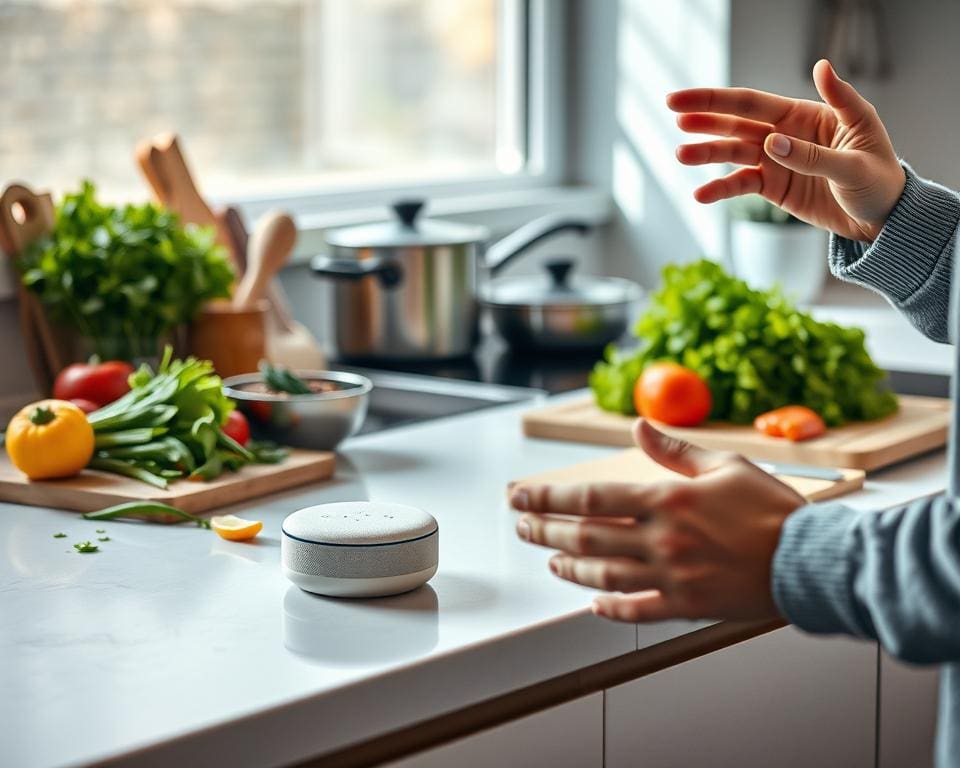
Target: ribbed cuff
[(813, 570), (918, 232)]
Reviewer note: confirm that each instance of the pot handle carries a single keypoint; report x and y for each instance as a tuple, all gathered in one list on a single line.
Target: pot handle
[(504, 251), (389, 273)]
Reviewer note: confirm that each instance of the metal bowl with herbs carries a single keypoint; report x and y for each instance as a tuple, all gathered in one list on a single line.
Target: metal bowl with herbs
[(305, 409)]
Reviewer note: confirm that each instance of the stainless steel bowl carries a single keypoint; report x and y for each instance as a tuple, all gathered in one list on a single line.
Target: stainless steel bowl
[(320, 421)]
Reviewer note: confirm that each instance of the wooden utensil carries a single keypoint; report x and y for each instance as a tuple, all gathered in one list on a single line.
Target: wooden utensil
[(91, 490), (44, 351), (920, 425), (270, 247), (636, 467)]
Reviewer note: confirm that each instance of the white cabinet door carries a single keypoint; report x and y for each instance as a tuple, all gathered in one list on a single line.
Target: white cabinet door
[(783, 699), (908, 714), (567, 735)]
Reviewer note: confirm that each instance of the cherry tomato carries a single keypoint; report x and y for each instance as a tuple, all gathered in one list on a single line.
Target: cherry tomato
[(100, 383), (237, 427), (87, 406), (675, 395)]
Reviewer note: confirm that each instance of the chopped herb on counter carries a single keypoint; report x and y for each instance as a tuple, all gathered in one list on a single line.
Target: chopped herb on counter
[(151, 511), (86, 547), (103, 538), (101, 530), (59, 535)]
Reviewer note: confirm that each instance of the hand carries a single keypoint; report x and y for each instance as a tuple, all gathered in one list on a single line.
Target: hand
[(830, 164), (685, 548)]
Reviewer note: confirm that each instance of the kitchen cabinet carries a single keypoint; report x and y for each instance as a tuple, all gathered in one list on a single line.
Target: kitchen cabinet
[(783, 698), (570, 734), (908, 714)]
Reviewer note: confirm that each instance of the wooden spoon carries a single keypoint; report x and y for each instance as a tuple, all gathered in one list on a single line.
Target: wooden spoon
[(270, 247)]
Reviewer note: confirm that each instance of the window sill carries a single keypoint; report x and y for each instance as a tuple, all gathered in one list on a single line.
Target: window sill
[(500, 212)]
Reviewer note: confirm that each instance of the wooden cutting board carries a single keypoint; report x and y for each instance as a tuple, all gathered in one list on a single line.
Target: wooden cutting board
[(91, 490), (920, 425), (635, 466)]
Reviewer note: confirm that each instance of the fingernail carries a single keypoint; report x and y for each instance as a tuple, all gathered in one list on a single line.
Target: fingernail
[(554, 567), (523, 529), (780, 145), (597, 609), (520, 499)]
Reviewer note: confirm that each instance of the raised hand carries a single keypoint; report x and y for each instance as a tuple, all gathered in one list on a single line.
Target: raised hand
[(695, 547), (831, 164)]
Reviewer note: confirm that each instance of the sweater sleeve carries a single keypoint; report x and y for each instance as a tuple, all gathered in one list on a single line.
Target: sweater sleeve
[(893, 576), (911, 260)]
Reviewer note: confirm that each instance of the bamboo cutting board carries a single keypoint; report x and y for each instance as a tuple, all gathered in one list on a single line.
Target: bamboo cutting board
[(635, 466), (920, 425), (91, 490)]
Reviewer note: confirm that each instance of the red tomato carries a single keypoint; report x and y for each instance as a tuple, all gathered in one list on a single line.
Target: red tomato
[(237, 427), (87, 406), (675, 395), (100, 383)]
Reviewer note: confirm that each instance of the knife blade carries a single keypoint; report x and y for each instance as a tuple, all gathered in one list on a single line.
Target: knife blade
[(800, 470)]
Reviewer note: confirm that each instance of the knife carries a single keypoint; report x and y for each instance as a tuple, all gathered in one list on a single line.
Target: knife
[(800, 470)]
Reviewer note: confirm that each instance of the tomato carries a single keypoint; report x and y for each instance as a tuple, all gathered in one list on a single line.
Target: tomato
[(794, 422), (675, 395), (87, 406), (237, 427), (100, 383)]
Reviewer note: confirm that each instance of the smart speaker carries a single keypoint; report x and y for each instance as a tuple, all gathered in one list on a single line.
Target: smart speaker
[(359, 548)]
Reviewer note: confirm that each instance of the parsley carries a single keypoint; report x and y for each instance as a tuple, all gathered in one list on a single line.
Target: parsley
[(100, 530), (85, 547), (59, 535), (104, 538)]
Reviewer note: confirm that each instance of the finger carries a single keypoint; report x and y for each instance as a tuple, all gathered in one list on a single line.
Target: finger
[(676, 454), (724, 125), (582, 537), (812, 159), (608, 573), (647, 606), (584, 499), (721, 151), (743, 181), (743, 102), (846, 102)]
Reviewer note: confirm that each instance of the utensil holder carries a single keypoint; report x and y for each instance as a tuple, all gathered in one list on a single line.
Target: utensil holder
[(233, 339)]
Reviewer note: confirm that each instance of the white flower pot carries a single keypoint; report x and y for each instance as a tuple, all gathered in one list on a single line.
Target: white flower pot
[(792, 256)]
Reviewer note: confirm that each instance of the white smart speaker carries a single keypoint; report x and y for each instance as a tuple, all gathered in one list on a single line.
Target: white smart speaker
[(359, 548)]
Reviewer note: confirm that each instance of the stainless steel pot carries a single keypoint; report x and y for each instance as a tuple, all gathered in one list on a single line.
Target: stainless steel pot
[(560, 312), (407, 289)]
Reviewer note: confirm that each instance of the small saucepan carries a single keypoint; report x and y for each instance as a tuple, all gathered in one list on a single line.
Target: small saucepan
[(558, 311)]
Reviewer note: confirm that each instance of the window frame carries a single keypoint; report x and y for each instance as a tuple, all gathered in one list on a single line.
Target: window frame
[(540, 33)]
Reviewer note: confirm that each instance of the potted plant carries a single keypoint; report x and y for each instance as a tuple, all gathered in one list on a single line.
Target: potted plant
[(770, 247), (120, 281)]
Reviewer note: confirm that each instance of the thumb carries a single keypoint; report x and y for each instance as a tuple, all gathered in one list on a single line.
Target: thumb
[(674, 453), (845, 101), (811, 159)]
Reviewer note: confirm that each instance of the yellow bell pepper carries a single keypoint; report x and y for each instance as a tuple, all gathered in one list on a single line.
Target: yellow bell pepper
[(50, 438)]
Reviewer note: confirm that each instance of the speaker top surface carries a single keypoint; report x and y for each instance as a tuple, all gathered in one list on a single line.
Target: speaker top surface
[(359, 523)]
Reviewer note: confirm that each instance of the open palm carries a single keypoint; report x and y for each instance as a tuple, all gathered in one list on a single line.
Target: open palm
[(831, 164)]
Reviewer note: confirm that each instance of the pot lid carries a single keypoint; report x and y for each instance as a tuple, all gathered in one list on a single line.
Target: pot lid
[(405, 230), (558, 288)]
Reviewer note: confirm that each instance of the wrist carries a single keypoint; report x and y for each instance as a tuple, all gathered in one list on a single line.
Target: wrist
[(890, 196)]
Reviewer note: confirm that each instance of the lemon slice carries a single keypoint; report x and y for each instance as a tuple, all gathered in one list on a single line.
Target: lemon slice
[(233, 528)]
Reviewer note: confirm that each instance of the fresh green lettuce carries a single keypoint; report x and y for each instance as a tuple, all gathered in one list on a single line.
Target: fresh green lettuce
[(755, 350)]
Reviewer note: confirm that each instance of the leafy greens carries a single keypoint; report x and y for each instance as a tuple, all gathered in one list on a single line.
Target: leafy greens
[(124, 278), (755, 350)]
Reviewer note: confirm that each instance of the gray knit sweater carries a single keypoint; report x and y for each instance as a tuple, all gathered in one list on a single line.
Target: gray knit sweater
[(895, 575)]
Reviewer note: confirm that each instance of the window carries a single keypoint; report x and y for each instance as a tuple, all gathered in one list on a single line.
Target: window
[(271, 97)]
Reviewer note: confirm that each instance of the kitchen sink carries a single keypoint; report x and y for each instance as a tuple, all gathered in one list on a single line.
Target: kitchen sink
[(399, 399)]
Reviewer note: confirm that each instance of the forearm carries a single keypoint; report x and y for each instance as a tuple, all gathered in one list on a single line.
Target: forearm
[(893, 576), (911, 260)]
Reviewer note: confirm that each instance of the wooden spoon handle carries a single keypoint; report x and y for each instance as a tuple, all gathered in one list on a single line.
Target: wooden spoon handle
[(270, 246)]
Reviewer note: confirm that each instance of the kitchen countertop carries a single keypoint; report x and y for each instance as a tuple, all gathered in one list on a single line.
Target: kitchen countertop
[(171, 643)]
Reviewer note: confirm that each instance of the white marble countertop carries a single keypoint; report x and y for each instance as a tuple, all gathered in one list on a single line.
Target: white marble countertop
[(171, 646)]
